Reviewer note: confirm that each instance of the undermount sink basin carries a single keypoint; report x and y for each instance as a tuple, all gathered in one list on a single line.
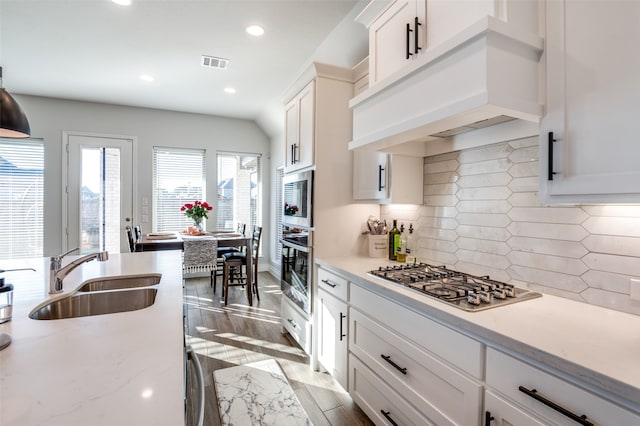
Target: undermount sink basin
[(120, 282), (97, 303)]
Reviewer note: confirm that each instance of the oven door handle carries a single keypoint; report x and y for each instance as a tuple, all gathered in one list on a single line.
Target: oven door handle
[(295, 246)]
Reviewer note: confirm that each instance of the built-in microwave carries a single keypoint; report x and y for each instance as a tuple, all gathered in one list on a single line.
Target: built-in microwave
[(298, 196)]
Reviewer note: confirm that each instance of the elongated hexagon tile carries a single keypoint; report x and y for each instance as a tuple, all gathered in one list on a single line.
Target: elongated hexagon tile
[(486, 246), (487, 179), (483, 219), (572, 249), (483, 232), (623, 246), (441, 166), (482, 270), (554, 291), (438, 222), (440, 200), (528, 169), (486, 206), (524, 184), (481, 167), (550, 279), (441, 189), (484, 259), (628, 226), (550, 231), (564, 265), (612, 263), (442, 234), (524, 199), (548, 214), (609, 281), (524, 142), (437, 257), (444, 177), (488, 152), (479, 194), (438, 245), (524, 155), (611, 300), (437, 211)]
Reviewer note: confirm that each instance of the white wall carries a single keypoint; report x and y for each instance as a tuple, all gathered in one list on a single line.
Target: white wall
[(50, 117)]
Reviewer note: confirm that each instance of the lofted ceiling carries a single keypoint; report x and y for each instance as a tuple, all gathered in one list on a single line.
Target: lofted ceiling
[(95, 50)]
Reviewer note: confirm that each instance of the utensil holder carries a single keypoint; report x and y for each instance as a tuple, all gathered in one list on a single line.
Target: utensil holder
[(378, 245)]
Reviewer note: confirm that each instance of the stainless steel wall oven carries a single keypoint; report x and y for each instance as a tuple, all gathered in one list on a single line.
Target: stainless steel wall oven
[(297, 266)]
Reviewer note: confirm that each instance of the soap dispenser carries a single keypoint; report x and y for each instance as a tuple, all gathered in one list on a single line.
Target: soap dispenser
[(6, 296)]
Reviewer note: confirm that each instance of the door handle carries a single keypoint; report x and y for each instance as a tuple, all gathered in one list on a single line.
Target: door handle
[(380, 185), (416, 24), (550, 141), (342, 316), (409, 30)]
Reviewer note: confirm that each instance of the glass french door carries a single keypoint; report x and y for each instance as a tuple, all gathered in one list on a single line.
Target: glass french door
[(99, 192)]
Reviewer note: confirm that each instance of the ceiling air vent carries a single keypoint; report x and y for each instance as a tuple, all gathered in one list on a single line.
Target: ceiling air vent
[(214, 62)]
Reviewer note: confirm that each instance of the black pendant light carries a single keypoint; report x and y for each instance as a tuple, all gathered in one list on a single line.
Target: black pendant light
[(13, 121)]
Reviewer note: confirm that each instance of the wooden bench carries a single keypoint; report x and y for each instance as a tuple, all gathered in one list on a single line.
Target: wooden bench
[(257, 394)]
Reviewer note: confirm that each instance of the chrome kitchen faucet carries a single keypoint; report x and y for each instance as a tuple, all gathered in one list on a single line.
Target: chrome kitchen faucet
[(57, 272)]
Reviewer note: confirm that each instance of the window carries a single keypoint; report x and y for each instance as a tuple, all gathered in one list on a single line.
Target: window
[(21, 198), (239, 190), (277, 208), (178, 178)]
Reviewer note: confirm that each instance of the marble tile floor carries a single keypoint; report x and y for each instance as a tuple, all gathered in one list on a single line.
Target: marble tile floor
[(236, 334)]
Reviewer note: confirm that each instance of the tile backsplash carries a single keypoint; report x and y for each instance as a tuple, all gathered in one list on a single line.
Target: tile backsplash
[(481, 215)]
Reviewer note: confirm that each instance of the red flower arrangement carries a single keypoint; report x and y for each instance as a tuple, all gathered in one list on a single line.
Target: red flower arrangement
[(197, 211)]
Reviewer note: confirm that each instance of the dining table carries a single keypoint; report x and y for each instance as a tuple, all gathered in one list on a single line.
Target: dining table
[(155, 241)]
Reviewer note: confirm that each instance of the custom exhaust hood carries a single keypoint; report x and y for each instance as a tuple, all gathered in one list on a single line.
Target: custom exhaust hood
[(486, 75)]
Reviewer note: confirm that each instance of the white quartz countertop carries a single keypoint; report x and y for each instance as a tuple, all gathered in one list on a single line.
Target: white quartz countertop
[(597, 346), (115, 369)]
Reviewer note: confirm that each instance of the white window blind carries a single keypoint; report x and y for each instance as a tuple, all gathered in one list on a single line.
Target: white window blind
[(21, 198), (239, 190), (277, 208), (178, 178)]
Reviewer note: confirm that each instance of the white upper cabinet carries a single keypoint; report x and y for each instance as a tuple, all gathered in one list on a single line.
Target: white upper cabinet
[(388, 178), (592, 91), (299, 135), (395, 38)]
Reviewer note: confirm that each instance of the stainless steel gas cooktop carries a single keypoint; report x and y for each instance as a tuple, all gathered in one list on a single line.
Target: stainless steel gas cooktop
[(464, 291)]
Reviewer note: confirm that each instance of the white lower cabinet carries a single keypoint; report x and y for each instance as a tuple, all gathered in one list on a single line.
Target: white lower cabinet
[(296, 324), (380, 402), (545, 396), (332, 336), (440, 392)]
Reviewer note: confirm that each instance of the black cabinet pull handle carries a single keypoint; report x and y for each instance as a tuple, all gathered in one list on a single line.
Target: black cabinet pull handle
[(388, 359), (388, 417), (535, 395), (329, 283), (293, 323), (380, 170), (488, 418), (551, 140), (293, 158), (416, 24), (342, 334), (409, 30), (295, 153)]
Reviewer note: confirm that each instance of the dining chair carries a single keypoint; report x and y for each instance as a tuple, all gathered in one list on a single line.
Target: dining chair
[(240, 229), (200, 255), (130, 238), (233, 264)]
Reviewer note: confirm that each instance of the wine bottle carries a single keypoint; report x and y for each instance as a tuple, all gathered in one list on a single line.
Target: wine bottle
[(402, 245), (394, 240), (411, 246)]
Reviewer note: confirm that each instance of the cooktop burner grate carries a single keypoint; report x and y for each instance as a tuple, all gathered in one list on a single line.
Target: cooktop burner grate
[(465, 291)]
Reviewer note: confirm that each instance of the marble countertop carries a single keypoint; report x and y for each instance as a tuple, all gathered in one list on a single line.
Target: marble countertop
[(124, 368), (597, 346)]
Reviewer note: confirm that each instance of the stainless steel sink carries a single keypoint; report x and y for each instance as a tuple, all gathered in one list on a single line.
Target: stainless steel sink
[(120, 282), (96, 303)]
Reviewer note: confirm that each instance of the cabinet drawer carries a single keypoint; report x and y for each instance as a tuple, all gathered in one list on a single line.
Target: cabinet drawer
[(506, 374), (459, 350), (375, 398), (333, 284), (444, 395), (505, 414), (297, 325)]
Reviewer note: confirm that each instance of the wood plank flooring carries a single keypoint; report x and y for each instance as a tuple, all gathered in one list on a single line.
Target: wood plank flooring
[(239, 334)]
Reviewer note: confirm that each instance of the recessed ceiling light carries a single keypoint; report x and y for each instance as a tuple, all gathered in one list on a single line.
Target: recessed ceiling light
[(145, 77), (255, 30), (229, 90), (122, 2)]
